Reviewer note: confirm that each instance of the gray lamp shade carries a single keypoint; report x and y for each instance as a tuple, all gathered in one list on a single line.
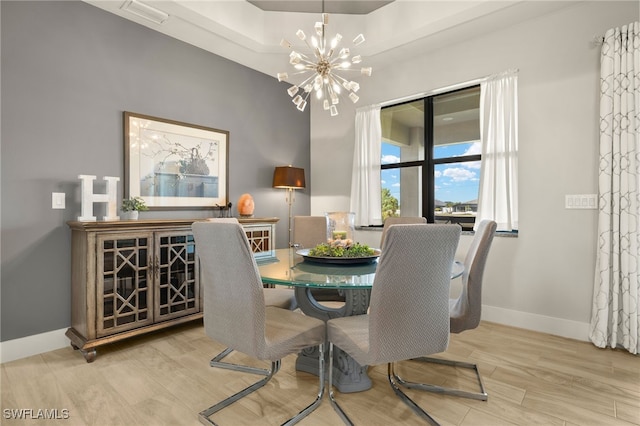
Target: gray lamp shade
[(288, 177)]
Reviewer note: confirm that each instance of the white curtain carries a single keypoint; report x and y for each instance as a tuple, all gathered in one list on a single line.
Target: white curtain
[(365, 181), (498, 193), (615, 319)]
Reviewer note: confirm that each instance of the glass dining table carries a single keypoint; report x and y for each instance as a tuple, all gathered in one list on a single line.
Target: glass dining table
[(353, 280)]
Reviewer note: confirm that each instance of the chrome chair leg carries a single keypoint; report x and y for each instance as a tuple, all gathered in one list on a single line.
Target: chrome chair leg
[(309, 408), (204, 415), (332, 399), (216, 362), (481, 396), (275, 366), (405, 398)]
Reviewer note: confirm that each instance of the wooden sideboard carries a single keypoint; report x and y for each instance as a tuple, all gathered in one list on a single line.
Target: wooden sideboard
[(137, 276)]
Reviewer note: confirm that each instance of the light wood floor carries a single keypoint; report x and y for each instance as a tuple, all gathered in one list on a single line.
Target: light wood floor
[(165, 379)]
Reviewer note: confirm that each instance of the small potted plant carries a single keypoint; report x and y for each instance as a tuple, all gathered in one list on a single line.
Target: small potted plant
[(131, 207)]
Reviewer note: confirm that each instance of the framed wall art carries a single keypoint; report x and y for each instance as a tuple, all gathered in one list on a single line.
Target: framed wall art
[(174, 165)]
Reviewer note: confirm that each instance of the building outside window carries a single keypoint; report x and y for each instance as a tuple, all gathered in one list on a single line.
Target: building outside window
[(431, 157)]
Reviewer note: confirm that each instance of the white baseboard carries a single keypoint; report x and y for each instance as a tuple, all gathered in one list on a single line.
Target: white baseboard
[(33, 345), (52, 340), (535, 322)]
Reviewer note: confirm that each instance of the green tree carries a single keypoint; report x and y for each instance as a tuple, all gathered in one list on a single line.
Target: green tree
[(390, 204)]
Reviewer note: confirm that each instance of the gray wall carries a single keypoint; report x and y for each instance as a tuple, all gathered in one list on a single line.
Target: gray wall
[(68, 71)]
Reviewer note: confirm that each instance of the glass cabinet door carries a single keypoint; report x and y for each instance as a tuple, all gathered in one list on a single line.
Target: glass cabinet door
[(177, 289), (124, 296)]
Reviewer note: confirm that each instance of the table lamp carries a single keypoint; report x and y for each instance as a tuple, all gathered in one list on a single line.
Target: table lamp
[(289, 178)]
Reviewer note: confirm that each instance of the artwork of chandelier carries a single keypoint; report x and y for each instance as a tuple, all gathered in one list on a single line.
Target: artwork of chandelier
[(320, 71)]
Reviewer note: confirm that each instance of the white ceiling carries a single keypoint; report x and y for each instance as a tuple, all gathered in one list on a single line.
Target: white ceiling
[(244, 33)]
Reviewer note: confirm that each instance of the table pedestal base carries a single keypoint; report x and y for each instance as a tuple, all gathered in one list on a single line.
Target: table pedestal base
[(348, 375)]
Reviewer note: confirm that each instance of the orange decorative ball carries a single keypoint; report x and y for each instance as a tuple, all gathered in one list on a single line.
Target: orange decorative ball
[(245, 205)]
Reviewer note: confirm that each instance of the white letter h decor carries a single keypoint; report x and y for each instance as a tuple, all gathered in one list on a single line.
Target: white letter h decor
[(88, 198)]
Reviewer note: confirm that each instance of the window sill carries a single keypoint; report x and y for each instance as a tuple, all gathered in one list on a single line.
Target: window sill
[(499, 234)]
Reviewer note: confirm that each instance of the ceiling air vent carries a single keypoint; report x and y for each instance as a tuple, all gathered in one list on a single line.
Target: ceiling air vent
[(145, 11)]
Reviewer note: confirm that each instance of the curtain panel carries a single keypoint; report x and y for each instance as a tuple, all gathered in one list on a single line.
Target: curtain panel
[(615, 319), (498, 192), (366, 198)]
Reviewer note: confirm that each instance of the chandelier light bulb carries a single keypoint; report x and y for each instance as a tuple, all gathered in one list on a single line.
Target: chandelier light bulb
[(320, 70)]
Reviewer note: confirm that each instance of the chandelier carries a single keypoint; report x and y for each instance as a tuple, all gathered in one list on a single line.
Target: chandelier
[(320, 71)]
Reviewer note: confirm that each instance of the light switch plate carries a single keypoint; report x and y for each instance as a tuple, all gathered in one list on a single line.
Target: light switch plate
[(581, 201), (57, 200)]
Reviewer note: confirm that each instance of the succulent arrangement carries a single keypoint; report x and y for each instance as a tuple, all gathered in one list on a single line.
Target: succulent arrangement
[(330, 249)]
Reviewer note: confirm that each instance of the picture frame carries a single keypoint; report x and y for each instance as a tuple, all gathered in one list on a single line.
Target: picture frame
[(173, 165)]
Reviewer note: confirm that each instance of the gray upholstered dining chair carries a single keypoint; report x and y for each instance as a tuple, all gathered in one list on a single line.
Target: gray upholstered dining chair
[(405, 220), (284, 298), (309, 231), (465, 310), (235, 313), (409, 310)]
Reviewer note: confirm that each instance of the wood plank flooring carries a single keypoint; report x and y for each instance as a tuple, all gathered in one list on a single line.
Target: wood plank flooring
[(165, 379)]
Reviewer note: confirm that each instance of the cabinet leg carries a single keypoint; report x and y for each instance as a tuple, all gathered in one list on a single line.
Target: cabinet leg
[(75, 348), (89, 355)]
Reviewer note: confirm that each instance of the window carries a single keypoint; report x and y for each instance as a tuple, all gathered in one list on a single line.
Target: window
[(431, 157)]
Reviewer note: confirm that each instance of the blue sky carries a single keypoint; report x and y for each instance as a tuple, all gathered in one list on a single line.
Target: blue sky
[(454, 182)]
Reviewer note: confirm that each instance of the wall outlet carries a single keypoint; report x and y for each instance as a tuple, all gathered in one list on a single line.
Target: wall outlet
[(57, 200), (581, 201)]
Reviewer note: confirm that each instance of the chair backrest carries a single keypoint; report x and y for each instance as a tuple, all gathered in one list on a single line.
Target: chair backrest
[(399, 221), (309, 231), (233, 303), (466, 311), (409, 310)]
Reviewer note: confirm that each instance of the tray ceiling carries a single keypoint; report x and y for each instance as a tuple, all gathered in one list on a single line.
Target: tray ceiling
[(250, 34)]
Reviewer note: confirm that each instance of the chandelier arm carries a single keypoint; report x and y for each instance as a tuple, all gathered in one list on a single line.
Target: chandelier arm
[(306, 80), (330, 90), (339, 77), (301, 72), (304, 57)]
